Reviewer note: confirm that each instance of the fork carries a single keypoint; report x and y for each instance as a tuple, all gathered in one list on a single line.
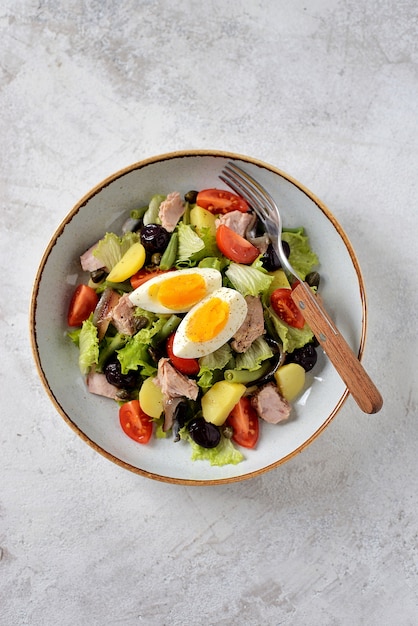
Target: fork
[(329, 337)]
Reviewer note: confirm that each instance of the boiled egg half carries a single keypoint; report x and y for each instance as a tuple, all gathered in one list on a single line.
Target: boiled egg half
[(210, 323), (177, 291)]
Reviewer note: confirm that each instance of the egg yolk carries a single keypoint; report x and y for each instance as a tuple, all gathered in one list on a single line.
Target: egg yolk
[(179, 292), (208, 321)]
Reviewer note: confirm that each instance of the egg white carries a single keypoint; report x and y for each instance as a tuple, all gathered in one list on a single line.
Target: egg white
[(141, 297), (184, 347)]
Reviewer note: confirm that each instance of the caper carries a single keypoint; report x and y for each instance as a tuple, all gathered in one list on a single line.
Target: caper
[(156, 258), (313, 279), (141, 322), (227, 431), (98, 276), (123, 394), (191, 196)]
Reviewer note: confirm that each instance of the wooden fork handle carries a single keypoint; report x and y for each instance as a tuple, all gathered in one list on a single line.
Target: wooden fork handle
[(338, 351)]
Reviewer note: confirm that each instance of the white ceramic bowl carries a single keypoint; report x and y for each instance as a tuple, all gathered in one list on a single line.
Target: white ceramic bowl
[(104, 208)]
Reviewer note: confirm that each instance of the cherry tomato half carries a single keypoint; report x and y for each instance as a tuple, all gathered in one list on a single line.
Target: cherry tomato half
[(145, 274), (135, 423), (243, 420), (220, 201), (82, 304), (190, 367), (284, 306), (235, 247)]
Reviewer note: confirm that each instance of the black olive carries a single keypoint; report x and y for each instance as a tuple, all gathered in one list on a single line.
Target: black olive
[(180, 413), (191, 196), (305, 356), (114, 376), (204, 433), (180, 416), (286, 248), (154, 238), (270, 260)]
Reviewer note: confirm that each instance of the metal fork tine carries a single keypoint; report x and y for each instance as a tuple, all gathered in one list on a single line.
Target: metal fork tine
[(235, 181), (235, 176), (242, 187), (263, 204), (263, 196)]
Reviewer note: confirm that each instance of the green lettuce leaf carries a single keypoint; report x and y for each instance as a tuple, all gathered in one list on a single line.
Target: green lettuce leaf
[(88, 342), (111, 248), (302, 258), (188, 245), (74, 335), (225, 453), (210, 248), (292, 338), (214, 262), (248, 280), (211, 366), (134, 355), (159, 433), (252, 358), (140, 312), (208, 378), (151, 215), (216, 360)]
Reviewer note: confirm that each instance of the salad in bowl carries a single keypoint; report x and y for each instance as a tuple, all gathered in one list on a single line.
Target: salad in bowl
[(186, 321), (163, 327)]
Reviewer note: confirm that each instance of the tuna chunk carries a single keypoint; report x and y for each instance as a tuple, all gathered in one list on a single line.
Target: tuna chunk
[(262, 242), (171, 210), (270, 405), (237, 221), (173, 384), (89, 262), (97, 383), (123, 318), (252, 327)]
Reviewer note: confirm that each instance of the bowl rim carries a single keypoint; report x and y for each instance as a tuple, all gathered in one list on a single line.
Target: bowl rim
[(82, 202)]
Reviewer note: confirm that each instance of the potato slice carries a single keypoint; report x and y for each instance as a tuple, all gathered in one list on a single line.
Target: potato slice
[(151, 398), (218, 402), (130, 263), (201, 218), (279, 281), (290, 379)]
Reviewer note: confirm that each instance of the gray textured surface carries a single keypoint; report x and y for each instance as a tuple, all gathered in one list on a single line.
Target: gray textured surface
[(327, 91)]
